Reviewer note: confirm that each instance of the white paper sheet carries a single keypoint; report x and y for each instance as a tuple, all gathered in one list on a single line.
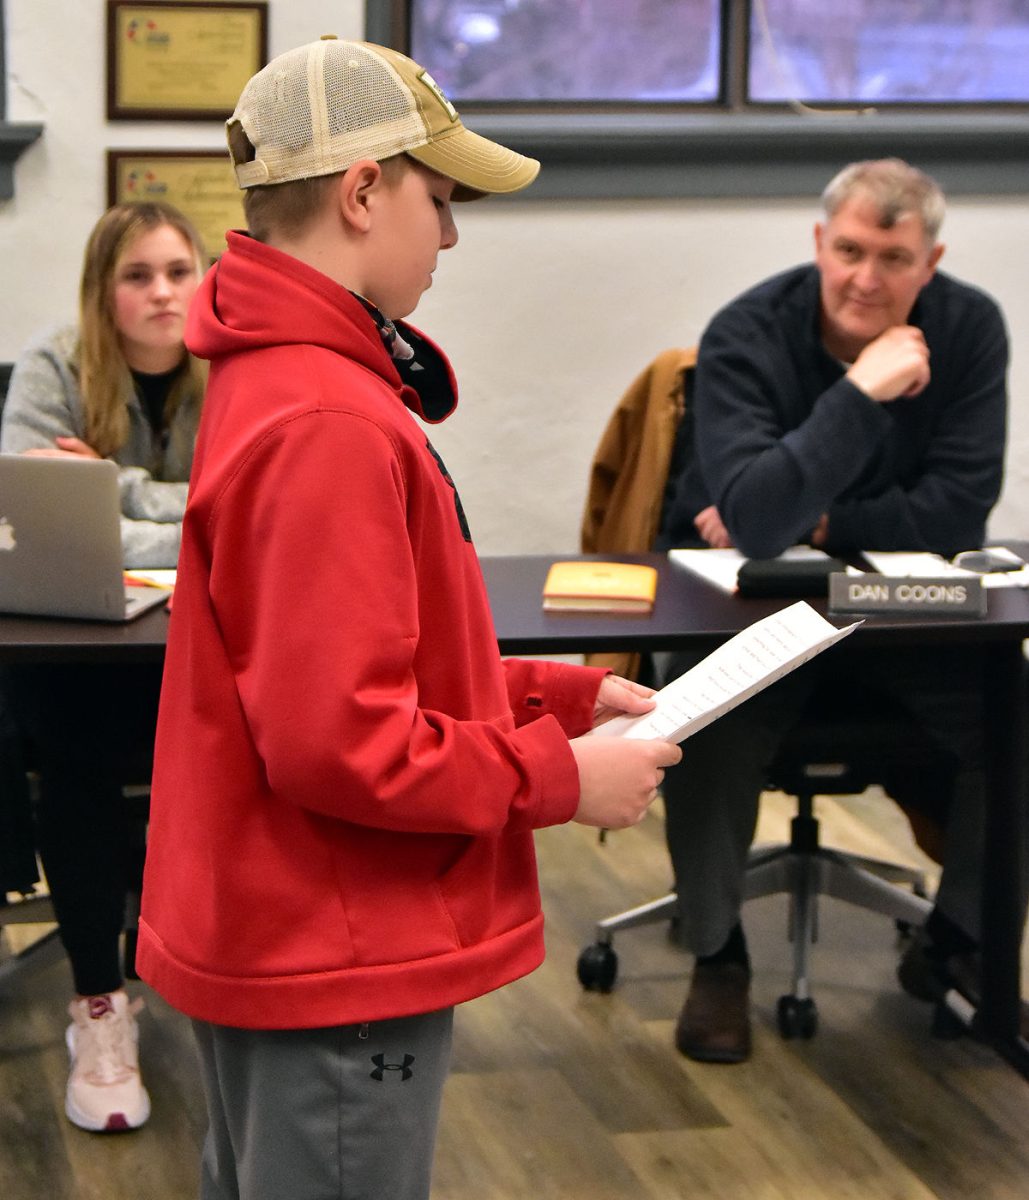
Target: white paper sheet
[(912, 564), (742, 666), (719, 567), (922, 564)]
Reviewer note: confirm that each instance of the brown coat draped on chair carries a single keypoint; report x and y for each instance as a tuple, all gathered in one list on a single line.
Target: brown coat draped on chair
[(630, 471)]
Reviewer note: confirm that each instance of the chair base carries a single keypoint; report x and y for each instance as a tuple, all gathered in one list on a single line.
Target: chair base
[(804, 870), (44, 951), (806, 875)]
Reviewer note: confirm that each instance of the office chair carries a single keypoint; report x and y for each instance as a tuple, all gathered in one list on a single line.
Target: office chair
[(842, 745), (19, 872), (30, 909), (31, 906)]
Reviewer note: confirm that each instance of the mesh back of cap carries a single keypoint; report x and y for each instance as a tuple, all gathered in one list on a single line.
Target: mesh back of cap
[(321, 107)]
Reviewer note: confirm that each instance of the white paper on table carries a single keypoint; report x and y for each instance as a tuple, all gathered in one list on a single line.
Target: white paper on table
[(1002, 579), (922, 564), (917, 564), (738, 669), (721, 567)]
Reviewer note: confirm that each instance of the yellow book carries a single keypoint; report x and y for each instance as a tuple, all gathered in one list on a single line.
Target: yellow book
[(599, 587)]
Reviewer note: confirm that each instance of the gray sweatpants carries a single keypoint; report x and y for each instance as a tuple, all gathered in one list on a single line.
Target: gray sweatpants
[(344, 1113)]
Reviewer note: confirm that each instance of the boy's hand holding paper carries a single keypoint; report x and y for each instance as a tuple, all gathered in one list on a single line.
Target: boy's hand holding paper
[(742, 666), (618, 697), (618, 781)]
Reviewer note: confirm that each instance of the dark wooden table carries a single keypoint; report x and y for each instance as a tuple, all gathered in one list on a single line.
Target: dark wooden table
[(691, 613)]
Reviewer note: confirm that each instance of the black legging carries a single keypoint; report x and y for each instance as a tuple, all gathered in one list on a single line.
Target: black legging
[(90, 730)]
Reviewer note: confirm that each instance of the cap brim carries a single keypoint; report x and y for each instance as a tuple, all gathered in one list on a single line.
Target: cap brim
[(477, 165)]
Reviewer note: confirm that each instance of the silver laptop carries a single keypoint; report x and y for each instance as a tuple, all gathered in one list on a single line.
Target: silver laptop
[(60, 541)]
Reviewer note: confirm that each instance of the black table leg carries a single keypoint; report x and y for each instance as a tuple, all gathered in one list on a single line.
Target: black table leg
[(1005, 713)]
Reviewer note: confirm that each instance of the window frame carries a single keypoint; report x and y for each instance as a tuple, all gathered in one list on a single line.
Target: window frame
[(738, 149), (14, 138)]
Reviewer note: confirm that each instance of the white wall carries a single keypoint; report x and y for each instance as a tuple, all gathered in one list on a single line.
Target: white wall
[(548, 308)]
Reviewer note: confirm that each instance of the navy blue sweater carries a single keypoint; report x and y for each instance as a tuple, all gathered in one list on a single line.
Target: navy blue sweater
[(781, 437)]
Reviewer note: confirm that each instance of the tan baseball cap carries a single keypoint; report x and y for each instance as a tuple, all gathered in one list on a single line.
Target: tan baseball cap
[(321, 107)]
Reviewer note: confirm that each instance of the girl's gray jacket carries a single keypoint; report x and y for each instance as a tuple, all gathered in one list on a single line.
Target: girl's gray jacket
[(44, 402)]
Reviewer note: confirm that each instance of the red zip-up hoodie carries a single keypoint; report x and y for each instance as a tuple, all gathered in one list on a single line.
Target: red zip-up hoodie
[(347, 776)]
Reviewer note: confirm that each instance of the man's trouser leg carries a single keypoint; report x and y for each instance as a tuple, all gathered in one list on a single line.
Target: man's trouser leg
[(711, 803)]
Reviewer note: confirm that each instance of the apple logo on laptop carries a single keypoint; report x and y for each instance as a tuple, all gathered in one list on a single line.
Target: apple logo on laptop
[(7, 539)]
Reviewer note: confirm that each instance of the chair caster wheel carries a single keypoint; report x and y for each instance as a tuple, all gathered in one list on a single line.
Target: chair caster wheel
[(797, 1018), (597, 967)]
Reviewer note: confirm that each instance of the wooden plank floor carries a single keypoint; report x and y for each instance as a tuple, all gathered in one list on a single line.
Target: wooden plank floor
[(560, 1093)]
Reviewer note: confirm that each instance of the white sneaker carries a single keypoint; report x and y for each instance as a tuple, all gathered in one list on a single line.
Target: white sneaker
[(105, 1092)]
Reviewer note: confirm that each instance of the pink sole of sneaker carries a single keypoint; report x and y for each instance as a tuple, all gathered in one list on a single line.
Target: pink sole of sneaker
[(116, 1122)]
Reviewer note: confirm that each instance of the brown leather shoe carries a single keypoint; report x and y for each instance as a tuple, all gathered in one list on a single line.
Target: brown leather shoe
[(714, 1025)]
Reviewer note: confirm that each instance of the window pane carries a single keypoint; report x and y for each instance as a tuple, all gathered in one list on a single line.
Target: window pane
[(890, 50), (547, 50)]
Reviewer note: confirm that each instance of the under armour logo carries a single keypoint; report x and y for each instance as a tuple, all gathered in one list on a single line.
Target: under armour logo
[(403, 1067)]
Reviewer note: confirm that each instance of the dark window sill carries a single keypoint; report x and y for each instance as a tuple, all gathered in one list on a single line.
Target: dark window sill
[(13, 140), (640, 155)]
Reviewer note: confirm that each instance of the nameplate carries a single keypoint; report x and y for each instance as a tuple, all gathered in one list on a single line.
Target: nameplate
[(942, 596)]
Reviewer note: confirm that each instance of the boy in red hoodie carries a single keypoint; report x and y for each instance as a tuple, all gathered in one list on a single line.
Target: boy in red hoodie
[(347, 776)]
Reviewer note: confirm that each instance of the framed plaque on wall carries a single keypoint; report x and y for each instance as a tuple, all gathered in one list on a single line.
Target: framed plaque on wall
[(183, 61), (200, 183)]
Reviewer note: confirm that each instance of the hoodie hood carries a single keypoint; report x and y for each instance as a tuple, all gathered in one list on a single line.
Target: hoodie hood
[(231, 313)]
